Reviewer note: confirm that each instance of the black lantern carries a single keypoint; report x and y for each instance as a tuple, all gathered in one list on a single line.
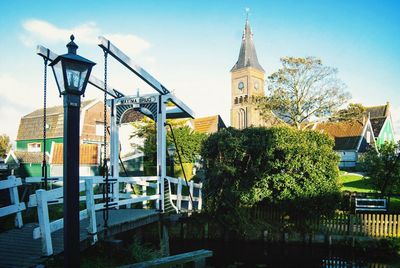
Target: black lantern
[(72, 71)]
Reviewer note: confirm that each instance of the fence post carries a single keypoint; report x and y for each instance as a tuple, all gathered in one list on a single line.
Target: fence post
[(144, 193), (190, 207), (90, 208), (179, 195), (199, 204), (44, 222), (14, 198)]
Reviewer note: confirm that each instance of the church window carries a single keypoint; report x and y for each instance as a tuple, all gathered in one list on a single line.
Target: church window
[(236, 100), (240, 99)]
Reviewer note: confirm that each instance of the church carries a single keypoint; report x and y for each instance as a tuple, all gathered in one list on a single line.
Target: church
[(247, 84)]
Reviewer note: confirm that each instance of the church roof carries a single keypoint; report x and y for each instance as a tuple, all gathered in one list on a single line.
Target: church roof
[(247, 54)]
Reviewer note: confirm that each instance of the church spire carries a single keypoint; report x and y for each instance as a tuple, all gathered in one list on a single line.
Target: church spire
[(247, 54)]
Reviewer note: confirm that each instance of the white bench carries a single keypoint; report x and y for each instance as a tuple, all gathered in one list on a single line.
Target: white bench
[(369, 204)]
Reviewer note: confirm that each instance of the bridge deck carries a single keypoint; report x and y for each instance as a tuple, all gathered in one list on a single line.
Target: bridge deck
[(19, 249)]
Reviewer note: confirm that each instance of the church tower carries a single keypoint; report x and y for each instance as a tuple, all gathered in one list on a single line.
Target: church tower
[(247, 83)]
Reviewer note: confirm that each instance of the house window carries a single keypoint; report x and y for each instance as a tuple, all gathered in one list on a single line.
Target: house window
[(34, 147), (99, 128), (368, 136)]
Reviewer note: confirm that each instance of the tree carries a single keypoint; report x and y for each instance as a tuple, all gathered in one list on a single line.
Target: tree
[(354, 111), (383, 168), (302, 90), (295, 170), (5, 145), (188, 141)]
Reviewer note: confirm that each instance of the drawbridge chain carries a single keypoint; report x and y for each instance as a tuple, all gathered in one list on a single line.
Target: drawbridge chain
[(44, 162)]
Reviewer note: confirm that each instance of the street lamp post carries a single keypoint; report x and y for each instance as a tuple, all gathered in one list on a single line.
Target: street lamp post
[(72, 74), (171, 152)]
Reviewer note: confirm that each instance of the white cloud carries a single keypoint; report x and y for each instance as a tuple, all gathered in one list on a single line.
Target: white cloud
[(37, 31)]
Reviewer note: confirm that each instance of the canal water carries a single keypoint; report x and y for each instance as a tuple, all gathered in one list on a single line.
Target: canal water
[(258, 254)]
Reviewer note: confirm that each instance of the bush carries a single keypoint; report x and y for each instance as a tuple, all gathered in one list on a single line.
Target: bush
[(292, 169)]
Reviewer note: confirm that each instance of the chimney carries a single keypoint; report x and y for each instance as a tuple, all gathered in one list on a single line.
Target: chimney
[(387, 110)]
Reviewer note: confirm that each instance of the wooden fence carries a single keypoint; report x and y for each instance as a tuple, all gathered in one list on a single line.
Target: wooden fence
[(16, 206), (366, 224)]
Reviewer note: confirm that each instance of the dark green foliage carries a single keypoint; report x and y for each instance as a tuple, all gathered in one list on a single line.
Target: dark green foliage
[(354, 111), (141, 253), (291, 169), (383, 168), (188, 141)]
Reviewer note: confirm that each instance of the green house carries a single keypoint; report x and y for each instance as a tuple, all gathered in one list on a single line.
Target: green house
[(28, 155), (382, 124)]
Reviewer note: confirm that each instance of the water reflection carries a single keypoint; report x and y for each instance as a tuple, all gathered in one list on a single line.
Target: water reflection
[(257, 254)]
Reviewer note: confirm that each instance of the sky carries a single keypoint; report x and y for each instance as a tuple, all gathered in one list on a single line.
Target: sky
[(190, 47)]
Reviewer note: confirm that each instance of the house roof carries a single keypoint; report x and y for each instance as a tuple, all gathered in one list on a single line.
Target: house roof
[(378, 111), (346, 134), (209, 124), (247, 54), (378, 115), (377, 124), (30, 157), (31, 125), (88, 154)]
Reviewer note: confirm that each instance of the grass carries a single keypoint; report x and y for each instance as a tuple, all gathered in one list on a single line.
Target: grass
[(354, 183)]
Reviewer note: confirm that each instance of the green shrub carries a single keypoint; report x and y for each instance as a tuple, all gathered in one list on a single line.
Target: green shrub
[(292, 169)]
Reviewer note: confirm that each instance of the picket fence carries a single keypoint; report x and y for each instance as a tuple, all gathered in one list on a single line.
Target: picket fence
[(365, 224)]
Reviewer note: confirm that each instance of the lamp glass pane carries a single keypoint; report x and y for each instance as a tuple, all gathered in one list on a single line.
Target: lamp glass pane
[(76, 76), (58, 73)]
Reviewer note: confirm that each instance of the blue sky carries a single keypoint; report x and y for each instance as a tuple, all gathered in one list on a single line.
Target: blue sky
[(190, 46)]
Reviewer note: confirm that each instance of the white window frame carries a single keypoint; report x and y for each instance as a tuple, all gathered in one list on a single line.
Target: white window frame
[(33, 148)]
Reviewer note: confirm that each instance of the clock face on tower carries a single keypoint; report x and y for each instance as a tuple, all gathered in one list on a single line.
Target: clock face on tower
[(241, 85)]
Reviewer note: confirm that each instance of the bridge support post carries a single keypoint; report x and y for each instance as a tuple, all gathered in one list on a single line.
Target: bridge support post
[(161, 147), (164, 241), (114, 149)]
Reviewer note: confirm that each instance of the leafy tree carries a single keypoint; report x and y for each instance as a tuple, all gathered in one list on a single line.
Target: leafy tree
[(5, 145), (303, 89), (383, 168), (354, 111), (295, 170), (188, 141)]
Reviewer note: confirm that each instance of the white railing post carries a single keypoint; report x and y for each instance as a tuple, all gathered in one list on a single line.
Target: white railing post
[(14, 198), (91, 212), (144, 193), (200, 202), (190, 207), (158, 192), (44, 222), (179, 195)]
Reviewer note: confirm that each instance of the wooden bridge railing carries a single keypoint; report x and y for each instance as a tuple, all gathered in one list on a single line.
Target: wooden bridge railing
[(16, 207), (177, 198), (42, 199)]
